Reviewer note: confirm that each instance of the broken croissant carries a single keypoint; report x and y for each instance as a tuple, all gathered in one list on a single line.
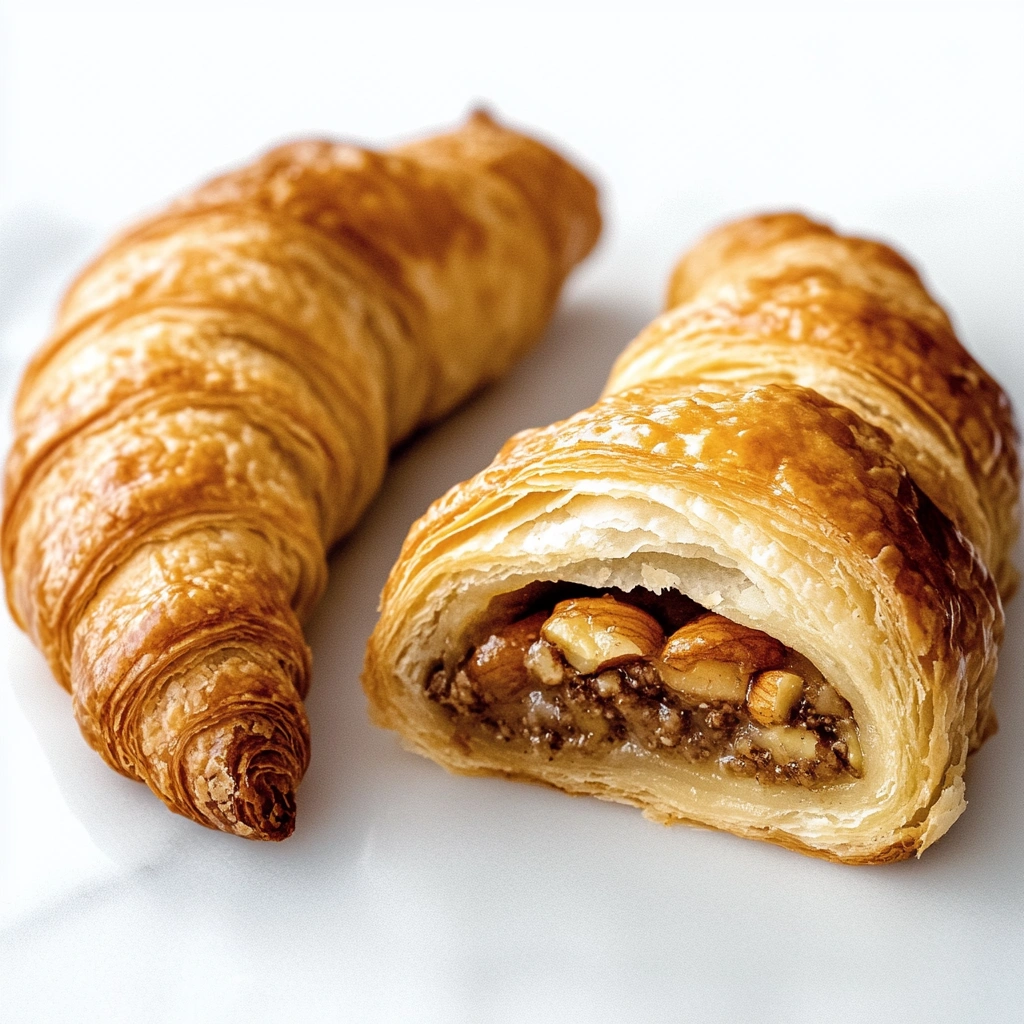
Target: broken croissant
[(215, 409), (754, 587)]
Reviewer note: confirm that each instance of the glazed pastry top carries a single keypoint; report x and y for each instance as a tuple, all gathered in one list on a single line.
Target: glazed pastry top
[(782, 299)]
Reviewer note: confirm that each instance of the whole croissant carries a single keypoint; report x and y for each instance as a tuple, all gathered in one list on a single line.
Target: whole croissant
[(215, 409)]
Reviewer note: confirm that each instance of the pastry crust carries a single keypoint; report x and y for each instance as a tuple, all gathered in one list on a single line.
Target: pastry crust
[(781, 299), (215, 409), (766, 502)]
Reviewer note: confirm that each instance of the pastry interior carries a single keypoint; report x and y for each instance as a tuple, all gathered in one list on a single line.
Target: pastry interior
[(556, 669)]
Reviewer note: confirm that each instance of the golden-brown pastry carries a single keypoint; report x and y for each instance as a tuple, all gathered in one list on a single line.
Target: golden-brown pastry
[(215, 409), (732, 592), (784, 300)]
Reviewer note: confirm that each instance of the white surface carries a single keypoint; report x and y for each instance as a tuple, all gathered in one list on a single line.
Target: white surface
[(406, 894)]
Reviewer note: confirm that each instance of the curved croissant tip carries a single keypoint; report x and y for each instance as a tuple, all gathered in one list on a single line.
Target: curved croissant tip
[(483, 115), (248, 782), (265, 807)]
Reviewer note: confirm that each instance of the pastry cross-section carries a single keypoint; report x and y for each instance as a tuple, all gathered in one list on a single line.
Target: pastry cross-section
[(756, 587)]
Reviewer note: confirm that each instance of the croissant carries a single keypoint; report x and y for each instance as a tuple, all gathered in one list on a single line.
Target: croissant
[(756, 587), (215, 409)]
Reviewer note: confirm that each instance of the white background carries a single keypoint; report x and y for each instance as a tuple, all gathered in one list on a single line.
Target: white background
[(407, 894)]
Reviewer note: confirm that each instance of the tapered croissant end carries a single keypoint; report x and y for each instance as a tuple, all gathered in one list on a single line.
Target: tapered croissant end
[(226, 741), (241, 776)]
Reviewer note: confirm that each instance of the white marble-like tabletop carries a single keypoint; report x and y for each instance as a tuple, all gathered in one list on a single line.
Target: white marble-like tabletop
[(407, 894)]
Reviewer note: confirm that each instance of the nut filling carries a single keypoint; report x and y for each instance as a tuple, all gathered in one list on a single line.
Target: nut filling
[(597, 672)]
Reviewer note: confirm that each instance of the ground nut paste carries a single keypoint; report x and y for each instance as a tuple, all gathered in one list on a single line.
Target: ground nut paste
[(592, 671)]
